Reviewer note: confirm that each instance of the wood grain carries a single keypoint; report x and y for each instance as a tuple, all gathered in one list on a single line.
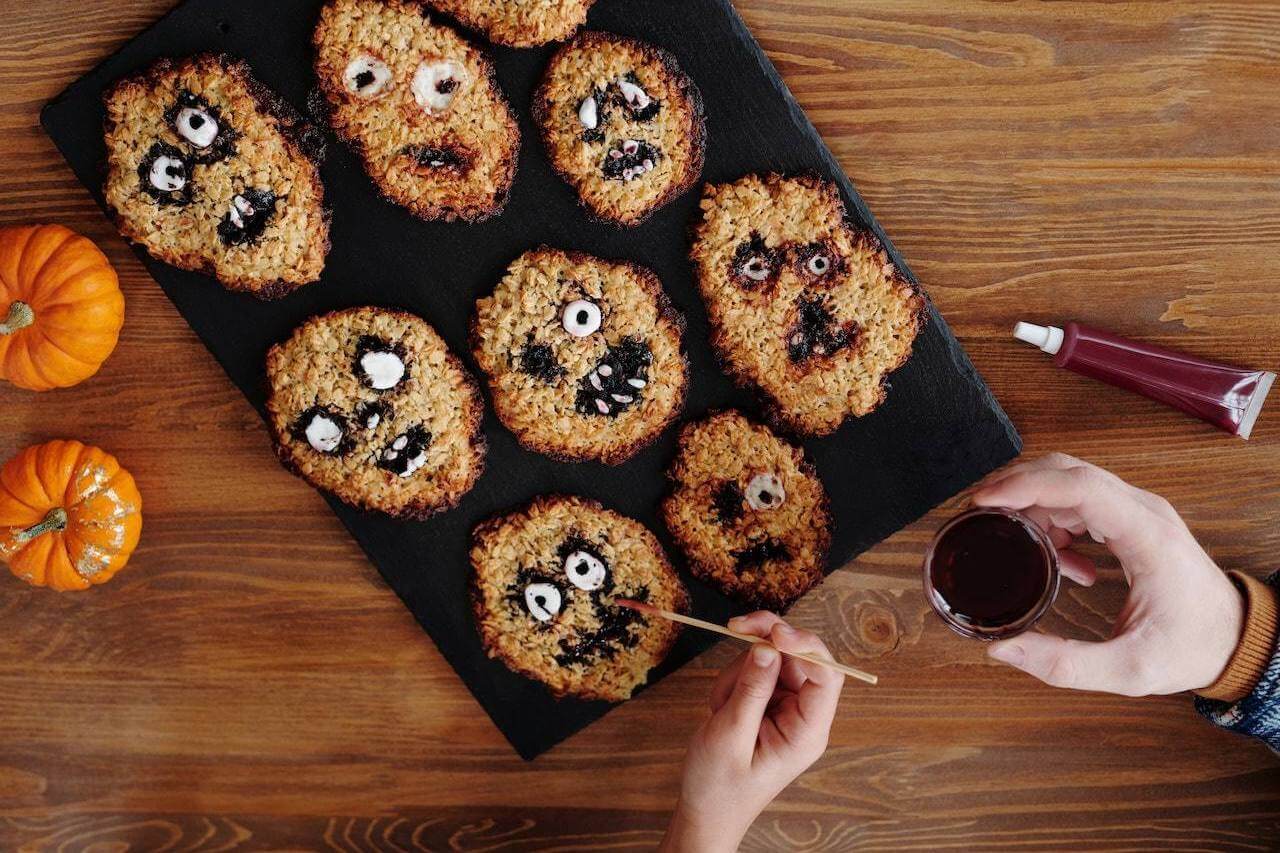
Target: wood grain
[(250, 683)]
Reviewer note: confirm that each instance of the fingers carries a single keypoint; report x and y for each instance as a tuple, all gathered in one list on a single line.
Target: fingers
[(742, 713), (1107, 506), (725, 681), (1108, 667), (757, 624), (819, 695), (1077, 567)]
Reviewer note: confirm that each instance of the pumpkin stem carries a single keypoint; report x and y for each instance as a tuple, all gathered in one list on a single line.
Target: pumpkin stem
[(20, 316), (56, 520)]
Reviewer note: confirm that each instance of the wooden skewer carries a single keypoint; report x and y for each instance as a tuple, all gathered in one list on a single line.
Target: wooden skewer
[(746, 638)]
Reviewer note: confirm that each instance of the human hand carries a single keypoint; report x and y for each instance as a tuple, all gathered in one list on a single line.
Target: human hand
[(1183, 616), (770, 718)]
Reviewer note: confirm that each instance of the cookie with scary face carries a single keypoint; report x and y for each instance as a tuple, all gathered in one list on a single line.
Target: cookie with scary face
[(518, 23), (748, 510), (622, 125), (543, 580), (803, 306), (369, 405), (421, 106), (583, 355), (208, 170)]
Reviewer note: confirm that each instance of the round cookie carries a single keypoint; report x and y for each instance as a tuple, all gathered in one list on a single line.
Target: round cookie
[(518, 23), (748, 510), (208, 170), (542, 586), (420, 105), (803, 306), (583, 355), (622, 124), (369, 405)]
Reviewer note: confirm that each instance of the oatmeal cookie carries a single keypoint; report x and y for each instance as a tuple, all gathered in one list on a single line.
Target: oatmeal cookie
[(804, 307), (209, 170), (369, 405), (518, 23), (748, 510), (622, 125), (421, 106), (583, 355), (542, 587)]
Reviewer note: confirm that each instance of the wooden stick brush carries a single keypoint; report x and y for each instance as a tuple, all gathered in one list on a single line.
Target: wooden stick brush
[(650, 610)]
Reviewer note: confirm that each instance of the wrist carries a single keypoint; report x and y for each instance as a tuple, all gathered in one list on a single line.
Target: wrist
[(690, 832), (1256, 641)]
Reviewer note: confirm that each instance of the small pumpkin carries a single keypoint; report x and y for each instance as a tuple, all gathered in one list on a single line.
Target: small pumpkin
[(61, 308), (70, 516)]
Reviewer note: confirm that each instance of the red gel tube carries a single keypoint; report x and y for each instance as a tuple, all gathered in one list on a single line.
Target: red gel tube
[(1228, 397)]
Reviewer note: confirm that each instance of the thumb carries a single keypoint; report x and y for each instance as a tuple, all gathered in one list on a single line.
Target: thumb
[(1074, 664), (744, 710)]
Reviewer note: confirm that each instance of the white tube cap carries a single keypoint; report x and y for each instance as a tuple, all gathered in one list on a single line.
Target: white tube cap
[(1048, 338)]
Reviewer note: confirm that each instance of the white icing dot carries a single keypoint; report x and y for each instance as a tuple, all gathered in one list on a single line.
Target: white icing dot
[(382, 369), (168, 174), (197, 127), (436, 84), (323, 433), (367, 76), (584, 570), (636, 383), (580, 318), (543, 601), (587, 113), (765, 491), (605, 370)]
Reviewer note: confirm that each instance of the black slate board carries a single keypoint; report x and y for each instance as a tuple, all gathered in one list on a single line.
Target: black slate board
[(939, 431)]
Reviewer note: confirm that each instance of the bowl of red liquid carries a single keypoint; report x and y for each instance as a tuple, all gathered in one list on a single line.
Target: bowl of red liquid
[(990, 573)]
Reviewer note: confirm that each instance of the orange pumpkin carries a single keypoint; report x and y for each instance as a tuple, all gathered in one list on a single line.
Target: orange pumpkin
[(70, 516), (61, 308)]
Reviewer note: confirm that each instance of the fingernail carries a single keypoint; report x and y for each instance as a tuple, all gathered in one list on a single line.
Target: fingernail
[(1012, 654), (764, 655), (734, 623)]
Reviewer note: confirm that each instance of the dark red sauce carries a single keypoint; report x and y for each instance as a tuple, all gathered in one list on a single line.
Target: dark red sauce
[(989, 571)]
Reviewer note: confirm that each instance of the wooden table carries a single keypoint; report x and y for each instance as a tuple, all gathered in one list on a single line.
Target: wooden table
[(249, 680)]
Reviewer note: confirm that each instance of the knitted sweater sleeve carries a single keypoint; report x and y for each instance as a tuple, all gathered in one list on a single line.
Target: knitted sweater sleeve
[(1258, 713)]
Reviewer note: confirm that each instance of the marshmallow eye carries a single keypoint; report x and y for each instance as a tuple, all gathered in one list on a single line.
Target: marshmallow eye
[(585, 570), (543, 600), (754, 264), (197, 126), (165, 174), (756, 268), (168, 174), (816, 261), (765, 492), (436, 84), (324, 430), (580, 318), (366, 76)]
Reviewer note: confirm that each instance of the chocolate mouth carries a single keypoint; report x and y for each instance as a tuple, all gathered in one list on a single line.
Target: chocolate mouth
[(764, 551), (617, 382), (629, 159), (247, 217), (445, 160), (616, 632), (816, 334), (406, 453)]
